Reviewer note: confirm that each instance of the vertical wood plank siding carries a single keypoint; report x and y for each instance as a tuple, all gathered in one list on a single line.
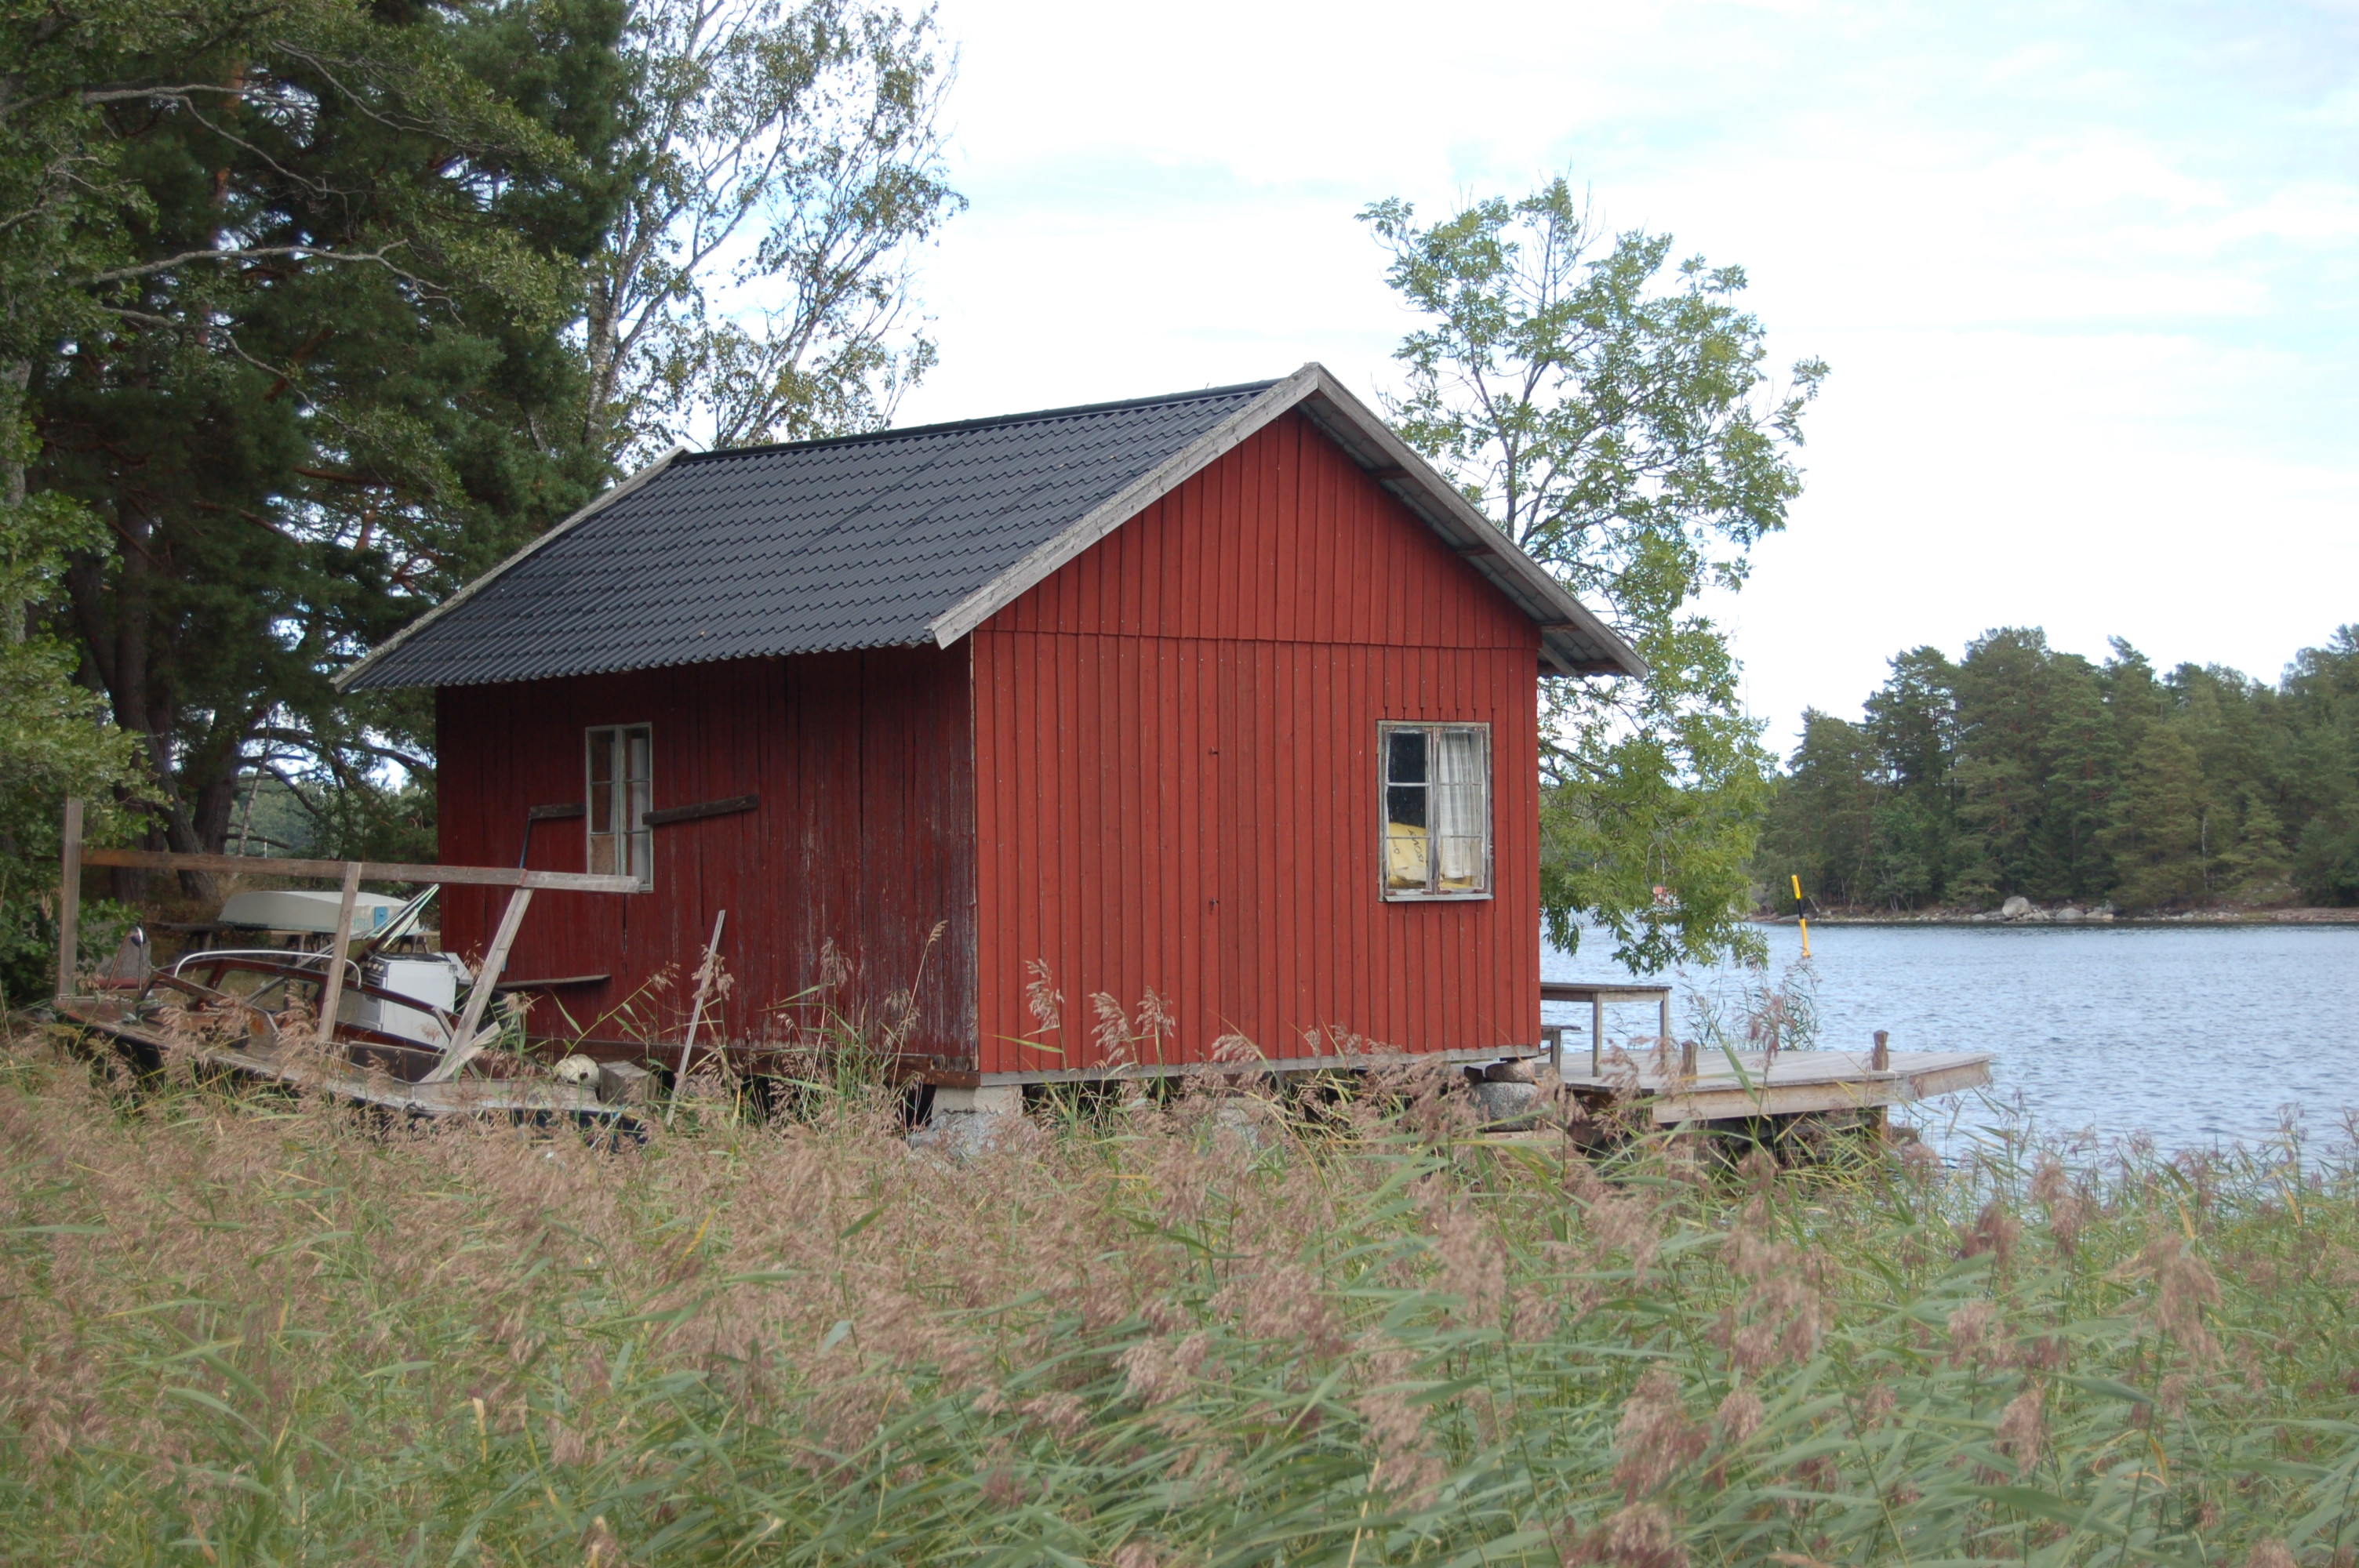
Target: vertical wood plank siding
[(1175, 751), (863, 836)]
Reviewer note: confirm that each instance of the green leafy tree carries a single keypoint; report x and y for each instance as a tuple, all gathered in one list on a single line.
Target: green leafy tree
[(782, 165), (302, 350), (1610, 411), (55, 742)]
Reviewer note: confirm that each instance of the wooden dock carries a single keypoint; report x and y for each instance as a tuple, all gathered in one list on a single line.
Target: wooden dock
[(1797, 1083)]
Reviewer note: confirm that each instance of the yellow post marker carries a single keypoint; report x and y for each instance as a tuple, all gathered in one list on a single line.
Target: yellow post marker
[(1799, 918)]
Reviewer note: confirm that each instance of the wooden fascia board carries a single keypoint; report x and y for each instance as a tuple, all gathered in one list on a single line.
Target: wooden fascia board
[(1043, 560), (1480, 543), (1371, 443), (343, 680)]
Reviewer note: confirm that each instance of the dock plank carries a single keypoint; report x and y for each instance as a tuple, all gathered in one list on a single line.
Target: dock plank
[(1799, 1082)]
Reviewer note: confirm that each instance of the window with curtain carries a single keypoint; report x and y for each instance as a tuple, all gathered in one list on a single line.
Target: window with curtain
[(622, 792), (1437, 810)]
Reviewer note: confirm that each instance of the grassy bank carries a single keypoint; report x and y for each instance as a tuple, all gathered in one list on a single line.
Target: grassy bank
[(234, 1334)]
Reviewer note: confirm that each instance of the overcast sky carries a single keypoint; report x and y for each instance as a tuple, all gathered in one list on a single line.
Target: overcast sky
[(2084, 271)]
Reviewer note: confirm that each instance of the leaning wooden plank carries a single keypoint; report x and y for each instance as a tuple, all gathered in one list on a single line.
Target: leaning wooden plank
[(705, 974), (487, 979), (332, 991), (371, 871)]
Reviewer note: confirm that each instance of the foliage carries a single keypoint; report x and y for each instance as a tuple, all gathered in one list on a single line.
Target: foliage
[(55, 744), (794, 151), (2024, 770), (1619, 427), (269, 1334), (299, 345)]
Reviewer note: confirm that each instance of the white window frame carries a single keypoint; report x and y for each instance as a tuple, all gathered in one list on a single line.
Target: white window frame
[(1432, 891), (625, 818)]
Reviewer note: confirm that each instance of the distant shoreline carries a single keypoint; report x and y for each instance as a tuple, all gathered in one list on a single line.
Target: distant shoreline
[(2306, 916)]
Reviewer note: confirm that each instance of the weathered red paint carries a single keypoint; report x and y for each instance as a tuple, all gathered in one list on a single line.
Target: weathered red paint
[(1155, 771), (1176, 764), (863, 835)]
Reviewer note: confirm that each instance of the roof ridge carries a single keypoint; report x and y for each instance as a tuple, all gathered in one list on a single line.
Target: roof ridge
[(949, 426)]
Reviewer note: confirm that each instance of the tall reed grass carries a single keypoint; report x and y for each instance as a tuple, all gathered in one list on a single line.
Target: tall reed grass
[(263, 1332)]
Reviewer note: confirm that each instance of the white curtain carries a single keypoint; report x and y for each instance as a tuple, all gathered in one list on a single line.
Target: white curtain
[(1460, 820)]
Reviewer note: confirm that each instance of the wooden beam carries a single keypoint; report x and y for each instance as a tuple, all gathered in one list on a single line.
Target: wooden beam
[(487, 980), (70, 901), (332, 989), (557, 983), (672, 814), (371, 871)]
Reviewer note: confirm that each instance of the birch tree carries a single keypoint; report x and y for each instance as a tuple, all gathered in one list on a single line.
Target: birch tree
[(782, 167)]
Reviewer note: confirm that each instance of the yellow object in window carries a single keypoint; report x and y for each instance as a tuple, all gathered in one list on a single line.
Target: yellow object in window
[(1405, 855)]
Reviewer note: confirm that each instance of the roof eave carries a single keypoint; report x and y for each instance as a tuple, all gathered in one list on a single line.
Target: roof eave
[(350, 676), (1572, 638)]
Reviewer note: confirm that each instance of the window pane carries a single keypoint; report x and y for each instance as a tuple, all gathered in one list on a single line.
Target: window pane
[(601, 756), (641, 764), (1461, 865), (1462, 809), (1405, 757), (602, 808), (602, 854), (1404, 807)]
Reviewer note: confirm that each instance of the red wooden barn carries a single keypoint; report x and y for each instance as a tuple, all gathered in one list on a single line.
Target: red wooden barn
[(1107, 731)]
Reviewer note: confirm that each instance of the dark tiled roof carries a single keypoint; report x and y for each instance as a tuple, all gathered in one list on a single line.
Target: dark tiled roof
[(855, 542)]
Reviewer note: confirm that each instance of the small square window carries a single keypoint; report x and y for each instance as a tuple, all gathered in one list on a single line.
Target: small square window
[(1437, 810), (622, 793)]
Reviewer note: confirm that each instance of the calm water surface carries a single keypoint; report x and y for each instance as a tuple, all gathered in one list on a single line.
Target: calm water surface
[(2194, 1035)]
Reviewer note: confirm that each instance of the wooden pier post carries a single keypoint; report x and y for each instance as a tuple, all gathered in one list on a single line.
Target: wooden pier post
[(70, 901), (1596, 1036), (1881, 1060)]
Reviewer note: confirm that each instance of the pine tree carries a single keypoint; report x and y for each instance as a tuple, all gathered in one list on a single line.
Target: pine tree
[(319, 378), (2156, 834)]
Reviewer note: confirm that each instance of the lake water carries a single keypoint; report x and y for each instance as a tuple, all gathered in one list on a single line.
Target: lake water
[(2196, 1036)]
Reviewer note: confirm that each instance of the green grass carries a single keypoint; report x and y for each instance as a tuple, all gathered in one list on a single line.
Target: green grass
[(258, 1331)]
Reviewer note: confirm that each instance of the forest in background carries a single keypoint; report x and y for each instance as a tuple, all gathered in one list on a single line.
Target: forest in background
[(2022, 769)]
